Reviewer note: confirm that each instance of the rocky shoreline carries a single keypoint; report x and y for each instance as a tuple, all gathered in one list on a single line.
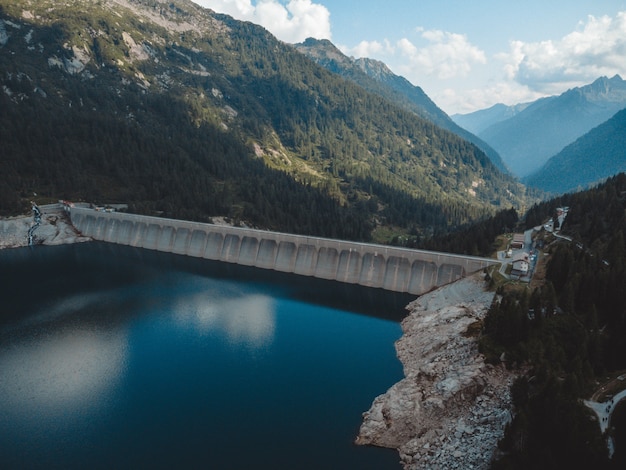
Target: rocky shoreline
[(55, 229), (451, 408)]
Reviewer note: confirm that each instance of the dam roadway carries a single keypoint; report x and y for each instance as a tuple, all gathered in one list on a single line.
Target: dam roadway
[(378, 266)]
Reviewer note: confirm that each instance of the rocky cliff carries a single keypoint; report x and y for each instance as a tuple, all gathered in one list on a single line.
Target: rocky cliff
[(451, 408)]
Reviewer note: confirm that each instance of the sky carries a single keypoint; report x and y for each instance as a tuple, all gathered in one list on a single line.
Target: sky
[(465, 55)]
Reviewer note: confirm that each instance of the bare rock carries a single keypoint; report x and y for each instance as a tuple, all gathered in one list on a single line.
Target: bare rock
[(55, 229), (435, 416)]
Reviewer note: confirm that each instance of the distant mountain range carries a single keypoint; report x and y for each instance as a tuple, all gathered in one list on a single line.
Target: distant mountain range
[(527, 135), (479, 121), (591, 158), (376, 77)]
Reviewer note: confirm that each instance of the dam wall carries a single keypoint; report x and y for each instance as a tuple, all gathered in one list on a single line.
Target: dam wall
[(391, 268)]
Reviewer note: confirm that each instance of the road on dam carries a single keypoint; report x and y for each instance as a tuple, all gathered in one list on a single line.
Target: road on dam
[(378, 266)]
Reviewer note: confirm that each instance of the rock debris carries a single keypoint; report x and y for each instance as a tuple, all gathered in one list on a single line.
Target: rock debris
[(451, 408)]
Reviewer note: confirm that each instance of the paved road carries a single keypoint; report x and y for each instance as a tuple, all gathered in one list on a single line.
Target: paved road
[(604, 410)]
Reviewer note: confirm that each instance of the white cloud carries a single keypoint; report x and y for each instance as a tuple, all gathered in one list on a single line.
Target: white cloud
[(456, 73), (369, 49), (445, 55), (449, 54), (597, 48), (467, 100), (407, 48), (291, 22), (441, 56), (530, 70)]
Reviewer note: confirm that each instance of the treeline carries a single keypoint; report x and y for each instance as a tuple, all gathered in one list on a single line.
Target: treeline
[(476, 239), (567, 334), (355, 135), (593, 214), (179, 171)]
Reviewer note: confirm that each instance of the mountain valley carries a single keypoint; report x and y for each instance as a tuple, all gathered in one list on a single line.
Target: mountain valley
[(528, 135)]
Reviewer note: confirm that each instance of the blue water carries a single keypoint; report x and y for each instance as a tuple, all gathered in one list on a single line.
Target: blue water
[(112, 357)]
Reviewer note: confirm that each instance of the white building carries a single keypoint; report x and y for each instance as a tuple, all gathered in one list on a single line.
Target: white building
[(521, 264)]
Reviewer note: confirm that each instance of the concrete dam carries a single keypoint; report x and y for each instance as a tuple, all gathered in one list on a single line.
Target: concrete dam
[(378, 266)]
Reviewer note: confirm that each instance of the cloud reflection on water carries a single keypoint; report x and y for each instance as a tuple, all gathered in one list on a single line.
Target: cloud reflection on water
[(66, 361), (61, 373), (248, 320)]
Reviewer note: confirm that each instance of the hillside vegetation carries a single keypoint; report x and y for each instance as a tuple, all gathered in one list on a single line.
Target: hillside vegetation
[(183, 112), (567, 335), (376, 77)]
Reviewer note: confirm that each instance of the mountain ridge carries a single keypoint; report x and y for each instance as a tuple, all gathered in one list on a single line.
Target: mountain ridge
[(184, 112), (593, 157), (478, 121), (375, 76), (544, 127)]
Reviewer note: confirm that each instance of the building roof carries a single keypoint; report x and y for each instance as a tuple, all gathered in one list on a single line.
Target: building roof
[(522, 256)]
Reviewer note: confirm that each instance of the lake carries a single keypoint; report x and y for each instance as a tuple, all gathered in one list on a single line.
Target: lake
[(116, 357)]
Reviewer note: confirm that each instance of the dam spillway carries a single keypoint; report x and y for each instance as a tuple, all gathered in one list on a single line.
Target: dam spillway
[(378, 266)]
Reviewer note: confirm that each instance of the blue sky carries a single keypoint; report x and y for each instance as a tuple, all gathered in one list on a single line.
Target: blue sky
[(465, 55)]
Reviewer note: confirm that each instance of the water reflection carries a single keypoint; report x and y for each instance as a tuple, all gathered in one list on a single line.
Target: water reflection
[(119, 358), (248, 320), (58, 310), (63, 362), (60, 373)]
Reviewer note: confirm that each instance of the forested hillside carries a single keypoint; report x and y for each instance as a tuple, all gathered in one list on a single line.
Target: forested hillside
[(187, 113), (376, 77), (567, 336)]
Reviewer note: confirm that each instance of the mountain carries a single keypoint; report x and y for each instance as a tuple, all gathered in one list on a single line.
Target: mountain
[(377, 78), (183, 112), (480, 120), (529, 138), (595, 156)]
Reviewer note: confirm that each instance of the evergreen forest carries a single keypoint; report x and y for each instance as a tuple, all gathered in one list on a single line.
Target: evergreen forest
[(566, 336), (185, 113)]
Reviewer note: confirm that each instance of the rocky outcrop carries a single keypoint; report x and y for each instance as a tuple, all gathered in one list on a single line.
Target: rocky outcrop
[(55, 228), (451, 408)]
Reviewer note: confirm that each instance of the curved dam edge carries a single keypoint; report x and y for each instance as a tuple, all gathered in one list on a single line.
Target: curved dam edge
[(378, 266)]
